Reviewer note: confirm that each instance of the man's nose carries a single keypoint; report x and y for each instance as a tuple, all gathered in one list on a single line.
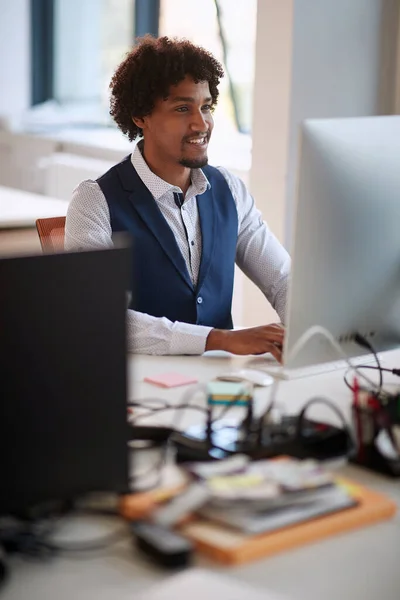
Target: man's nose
[(199, 122)]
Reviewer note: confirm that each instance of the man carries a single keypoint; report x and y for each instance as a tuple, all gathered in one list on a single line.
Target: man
[(190, 222)]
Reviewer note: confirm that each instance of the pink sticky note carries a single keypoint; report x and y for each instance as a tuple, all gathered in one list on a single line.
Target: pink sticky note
[(168, 380)]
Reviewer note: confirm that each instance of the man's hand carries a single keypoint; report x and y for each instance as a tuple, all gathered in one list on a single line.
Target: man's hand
[(255, 340)]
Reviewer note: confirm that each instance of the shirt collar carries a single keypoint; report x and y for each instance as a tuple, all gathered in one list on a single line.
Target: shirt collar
[(157, 186)]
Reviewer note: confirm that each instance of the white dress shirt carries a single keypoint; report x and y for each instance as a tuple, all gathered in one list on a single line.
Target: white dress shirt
[(259, 254)]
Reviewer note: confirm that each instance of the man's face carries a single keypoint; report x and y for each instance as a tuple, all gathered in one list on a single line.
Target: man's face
[(179, 128)]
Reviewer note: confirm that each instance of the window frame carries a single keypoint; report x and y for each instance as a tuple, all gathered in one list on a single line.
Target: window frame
[(42, 23)]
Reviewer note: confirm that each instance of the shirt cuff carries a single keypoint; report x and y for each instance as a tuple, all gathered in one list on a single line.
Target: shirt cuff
[(188, 338)]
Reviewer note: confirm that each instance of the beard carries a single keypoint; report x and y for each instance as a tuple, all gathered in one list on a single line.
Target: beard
[(194, 163)]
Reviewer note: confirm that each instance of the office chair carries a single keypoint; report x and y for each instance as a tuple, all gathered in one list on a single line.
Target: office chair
[(51, 233)]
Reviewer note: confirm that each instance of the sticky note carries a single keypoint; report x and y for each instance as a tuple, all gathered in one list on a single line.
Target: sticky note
[(169, 380), (236, 481)]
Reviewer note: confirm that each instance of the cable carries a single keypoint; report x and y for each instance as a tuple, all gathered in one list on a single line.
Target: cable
[(306, 337), (184, 405), (334, 408), (187, 398), (364, 343), (373, 367), (145, 403), (297, 347), (237, 398), (169, 407), (271, 404), (384, 369)]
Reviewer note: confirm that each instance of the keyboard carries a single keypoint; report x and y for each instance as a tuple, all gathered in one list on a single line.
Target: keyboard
[(269, 365)]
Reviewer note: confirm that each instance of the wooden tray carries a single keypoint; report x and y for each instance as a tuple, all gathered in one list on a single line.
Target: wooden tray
[(231, 548)]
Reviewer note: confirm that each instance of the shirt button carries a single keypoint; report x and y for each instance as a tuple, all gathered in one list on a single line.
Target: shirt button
[(199, 300), (192, 242)]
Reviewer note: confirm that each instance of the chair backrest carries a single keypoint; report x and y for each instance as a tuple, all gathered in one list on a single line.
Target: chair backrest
[(51, 233)]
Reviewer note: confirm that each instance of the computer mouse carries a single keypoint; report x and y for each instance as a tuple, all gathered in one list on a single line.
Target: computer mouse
[(251, 375)]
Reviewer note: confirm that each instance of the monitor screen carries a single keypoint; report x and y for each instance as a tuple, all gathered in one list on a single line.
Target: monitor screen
[(63, 428), (346, 251)]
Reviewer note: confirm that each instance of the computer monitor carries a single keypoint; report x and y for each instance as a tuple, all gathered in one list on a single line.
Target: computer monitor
[(346, 250), (63, 426)]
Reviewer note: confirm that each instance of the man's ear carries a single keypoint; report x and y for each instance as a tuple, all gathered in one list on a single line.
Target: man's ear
[(139, 122)]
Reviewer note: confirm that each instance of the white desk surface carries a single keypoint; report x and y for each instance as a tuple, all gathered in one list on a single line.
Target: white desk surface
[(19, 208), (360, 565)]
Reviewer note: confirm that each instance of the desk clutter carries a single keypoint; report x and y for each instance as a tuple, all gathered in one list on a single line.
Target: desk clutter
[(269, 490), (376, 419), (372, 441), (236, 510), (265, 435)]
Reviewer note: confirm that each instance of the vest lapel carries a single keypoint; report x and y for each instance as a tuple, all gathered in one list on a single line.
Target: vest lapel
[(206, 208), (144, 203)]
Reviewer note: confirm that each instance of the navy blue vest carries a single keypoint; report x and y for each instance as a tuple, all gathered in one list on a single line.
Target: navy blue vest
[(161, 284)]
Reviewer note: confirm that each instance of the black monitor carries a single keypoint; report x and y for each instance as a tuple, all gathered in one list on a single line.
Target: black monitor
[(63, 426)]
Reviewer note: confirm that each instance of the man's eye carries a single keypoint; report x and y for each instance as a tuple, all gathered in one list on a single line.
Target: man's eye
[(207, 107), (182, 109)]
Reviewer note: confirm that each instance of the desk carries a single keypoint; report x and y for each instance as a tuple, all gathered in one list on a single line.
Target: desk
[(19, 209), (363, 565)]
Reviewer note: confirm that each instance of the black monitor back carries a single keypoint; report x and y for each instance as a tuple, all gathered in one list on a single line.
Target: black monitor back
[(63, 429)]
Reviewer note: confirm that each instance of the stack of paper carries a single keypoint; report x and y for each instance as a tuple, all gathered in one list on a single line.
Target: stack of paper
[(262, 496)]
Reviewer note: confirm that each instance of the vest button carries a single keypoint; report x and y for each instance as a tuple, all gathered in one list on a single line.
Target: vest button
[(199, 300)]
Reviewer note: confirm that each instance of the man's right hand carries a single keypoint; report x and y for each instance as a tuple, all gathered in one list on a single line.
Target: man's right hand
[(255, 340)]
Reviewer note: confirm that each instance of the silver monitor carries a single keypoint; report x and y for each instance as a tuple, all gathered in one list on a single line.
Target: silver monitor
[(346, 250)]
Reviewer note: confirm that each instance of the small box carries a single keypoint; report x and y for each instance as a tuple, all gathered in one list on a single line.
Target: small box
[(228, 392)]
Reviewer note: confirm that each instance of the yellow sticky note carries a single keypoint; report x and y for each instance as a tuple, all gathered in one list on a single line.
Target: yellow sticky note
[(235, 482)]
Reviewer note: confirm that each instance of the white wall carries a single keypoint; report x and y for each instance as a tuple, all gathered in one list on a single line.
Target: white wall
[(338, 57), (15, 74), (315, 58)]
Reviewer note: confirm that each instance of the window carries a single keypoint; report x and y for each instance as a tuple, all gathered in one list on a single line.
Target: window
[(77, 45), (228, 30), (90, 39)]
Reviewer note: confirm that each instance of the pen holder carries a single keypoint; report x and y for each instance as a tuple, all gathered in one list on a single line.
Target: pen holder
[(377, 435)]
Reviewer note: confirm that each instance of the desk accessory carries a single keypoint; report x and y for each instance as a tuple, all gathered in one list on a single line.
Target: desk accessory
[(265, 437), (167, 548), (377, 424), (294, 436), (268, 495), (170, 380), (230, 547), (228, 392), (253, 376)]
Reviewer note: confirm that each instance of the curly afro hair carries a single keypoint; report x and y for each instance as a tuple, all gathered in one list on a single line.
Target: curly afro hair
[(148, 72)]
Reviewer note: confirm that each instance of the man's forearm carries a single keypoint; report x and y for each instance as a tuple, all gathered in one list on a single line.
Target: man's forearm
[(157, 335)]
